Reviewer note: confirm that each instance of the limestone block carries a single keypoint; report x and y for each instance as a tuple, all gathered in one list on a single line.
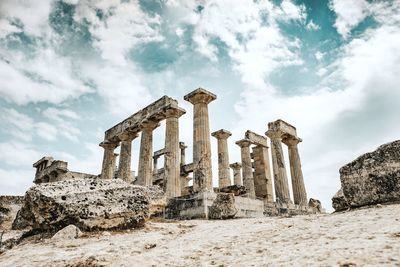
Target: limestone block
[(9, 206), (69, 232), (339, 201), (223, 207), (90, 204), (315, 205), (373, 178), (237, 190)]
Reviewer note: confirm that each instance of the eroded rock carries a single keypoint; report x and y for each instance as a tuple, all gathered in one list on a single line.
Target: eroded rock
[(90, 204), (339, 201), (315, 204), (373, 178), (9, 206), (223, 207), (69, 232)]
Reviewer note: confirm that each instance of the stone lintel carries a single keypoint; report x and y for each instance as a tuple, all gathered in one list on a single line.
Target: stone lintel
[(235, 165), (159, 153), (256, 139), (200, 95), (40, 161), (154, 111), (243, 143), (281, 128), (221, 134)]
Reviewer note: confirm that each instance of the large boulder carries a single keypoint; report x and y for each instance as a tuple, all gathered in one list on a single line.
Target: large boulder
[(372, 178), (223, 207), (89, 204), (9, 206)]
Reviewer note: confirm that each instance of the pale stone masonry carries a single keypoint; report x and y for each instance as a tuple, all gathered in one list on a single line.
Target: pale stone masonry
[(172, 153), (298, 187), (247, 169), (224, 174), (200, 98), (108, 166), (237, 174), (145, 170), (125, 158)]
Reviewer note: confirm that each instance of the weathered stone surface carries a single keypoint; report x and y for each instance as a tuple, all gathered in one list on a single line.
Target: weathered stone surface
[(223, 207), (339, 201), (10, 238), (237, 190), (315, 204), (69, 232), (90, 204), (9, 206), (372, 178)]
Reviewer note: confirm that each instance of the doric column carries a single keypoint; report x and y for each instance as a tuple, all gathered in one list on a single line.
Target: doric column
[(202, 180), (247, 169), (172, 164), (125, 157), (262, 174), (224, 174), (145, 171), (108, 167), (237, 174), (155, 162), (183, 152), (299, 189), (279, 170)]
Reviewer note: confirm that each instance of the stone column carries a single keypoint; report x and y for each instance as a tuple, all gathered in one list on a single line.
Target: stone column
[(172, 166), (262, 175), (237, 175), (279, 170), (145, 171), (125, 158), (107, 170), (299, 190), (202, 180), (183, 152), (224, 174), (247, 169)]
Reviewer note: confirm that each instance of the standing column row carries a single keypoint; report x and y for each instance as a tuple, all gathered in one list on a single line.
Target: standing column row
[(108, 167), (145, 170), (125, 158), (247, 168), (224, 175)]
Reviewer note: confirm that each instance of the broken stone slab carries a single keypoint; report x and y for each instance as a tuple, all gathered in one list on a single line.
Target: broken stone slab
[(237, 190), (90, 204), (315, 205), (223, 207), (339, 201), (373, 178), (69, 232)]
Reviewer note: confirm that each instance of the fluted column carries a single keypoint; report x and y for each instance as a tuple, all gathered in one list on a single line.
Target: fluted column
[(108, 167), (299, 189), (237, 174), (262, 174), (279, 170), (145, 171), (125, 157), (172, 164), (200, 98), (224, 174), (247, 168)]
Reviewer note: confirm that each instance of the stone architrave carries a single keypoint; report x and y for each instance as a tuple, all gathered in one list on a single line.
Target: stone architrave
[(298, 187), (247, 169), (279, 170), (125, 158), (172, 162), (200, 98), (224, 174), (145, 170), (237, 174), (108, 167)]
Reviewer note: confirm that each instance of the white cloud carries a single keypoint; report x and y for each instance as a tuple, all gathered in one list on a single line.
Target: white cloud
[(18, 154), (349, 14), (321, 71), (46, 131), (60, 115), (319, 55), (311, 26)]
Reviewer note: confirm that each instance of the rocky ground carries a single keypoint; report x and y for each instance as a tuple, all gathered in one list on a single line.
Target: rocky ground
[(364, 237)]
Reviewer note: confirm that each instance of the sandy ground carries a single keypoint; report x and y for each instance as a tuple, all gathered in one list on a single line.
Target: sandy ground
[(366, 237)]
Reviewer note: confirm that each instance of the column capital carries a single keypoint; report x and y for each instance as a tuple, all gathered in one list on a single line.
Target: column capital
[(149, 124), (174, 112), (243, 143), (221, 134), (236, 165), (182, 145), (200, 95), (128, 136), (273, 134), (109, 145), (291, 140)]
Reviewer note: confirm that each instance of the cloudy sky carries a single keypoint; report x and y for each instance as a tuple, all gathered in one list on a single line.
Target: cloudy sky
[(69, 70)]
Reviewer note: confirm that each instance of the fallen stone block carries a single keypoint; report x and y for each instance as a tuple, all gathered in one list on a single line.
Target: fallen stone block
[(339, 201), (237, 190), (223, 207), (315, 205), (69, 232), (373, 178), (89, 204)]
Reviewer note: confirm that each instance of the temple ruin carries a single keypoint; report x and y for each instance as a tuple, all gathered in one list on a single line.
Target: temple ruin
[(259, 182)]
